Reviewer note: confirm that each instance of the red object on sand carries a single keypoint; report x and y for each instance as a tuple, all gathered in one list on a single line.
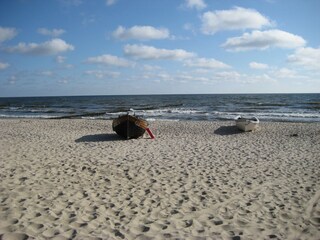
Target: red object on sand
[(150, 133)]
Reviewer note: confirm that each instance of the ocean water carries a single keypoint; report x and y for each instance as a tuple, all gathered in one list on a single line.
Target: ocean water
[(212, 107)]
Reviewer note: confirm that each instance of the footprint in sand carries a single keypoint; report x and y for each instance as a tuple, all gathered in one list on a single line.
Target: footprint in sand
[(14, 236)]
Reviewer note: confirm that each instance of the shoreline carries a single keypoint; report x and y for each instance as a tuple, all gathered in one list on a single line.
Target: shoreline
[(75, 178), (151, 120)]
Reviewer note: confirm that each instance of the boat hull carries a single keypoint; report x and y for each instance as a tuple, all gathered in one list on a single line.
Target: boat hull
[(128, 126), (247, 125)]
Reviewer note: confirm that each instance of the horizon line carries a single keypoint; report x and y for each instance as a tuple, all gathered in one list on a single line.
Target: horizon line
[(158, 94)]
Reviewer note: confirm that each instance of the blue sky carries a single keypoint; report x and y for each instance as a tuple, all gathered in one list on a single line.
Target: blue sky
[(110, 47)]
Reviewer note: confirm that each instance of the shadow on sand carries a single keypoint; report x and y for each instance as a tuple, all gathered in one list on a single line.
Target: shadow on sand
[(99, 138), (227, 130)]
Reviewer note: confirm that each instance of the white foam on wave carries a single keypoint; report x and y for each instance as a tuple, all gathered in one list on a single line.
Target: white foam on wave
[(28, 116), (277, 116)]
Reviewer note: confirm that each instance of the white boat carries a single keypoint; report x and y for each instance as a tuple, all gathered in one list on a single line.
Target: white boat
[(247, 124)]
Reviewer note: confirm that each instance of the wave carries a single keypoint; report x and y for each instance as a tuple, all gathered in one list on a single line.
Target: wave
[(82, 115), (28, 116), (177, 115), (272, 116), (279, 107), (313, 105)]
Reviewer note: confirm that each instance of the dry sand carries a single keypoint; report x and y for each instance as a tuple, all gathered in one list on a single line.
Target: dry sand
[(75, 179)]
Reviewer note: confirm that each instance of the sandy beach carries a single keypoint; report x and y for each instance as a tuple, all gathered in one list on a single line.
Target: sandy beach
[(76, 179)]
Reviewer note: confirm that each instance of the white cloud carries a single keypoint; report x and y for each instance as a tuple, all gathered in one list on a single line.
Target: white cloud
[(181, 77), (262, 40), (102, 74), (198, 4), (51, 47), (60, 59), (236, 18), (285, 73), (7, 34), (4, 65), (235, 77), (140, 33), (190, 27), (255, 65), (47, 73), (111, 2), (149, 52), (227, 76), (184, 78), (147, 67), (68, 66), (88, 19), (52, 33), (155, 76), (12, 79), (110, 60), (206, 63), (258, 79), (308, 58)]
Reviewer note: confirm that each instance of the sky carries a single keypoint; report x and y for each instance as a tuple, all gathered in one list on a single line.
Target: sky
[(124, 47)]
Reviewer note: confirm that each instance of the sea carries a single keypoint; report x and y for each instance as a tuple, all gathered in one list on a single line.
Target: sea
[(199, 107)]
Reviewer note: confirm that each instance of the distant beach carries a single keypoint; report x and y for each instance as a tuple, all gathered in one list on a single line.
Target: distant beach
[(76, 179)]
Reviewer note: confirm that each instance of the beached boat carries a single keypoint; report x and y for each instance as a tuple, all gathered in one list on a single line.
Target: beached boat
[(129, 126), (247, 124)]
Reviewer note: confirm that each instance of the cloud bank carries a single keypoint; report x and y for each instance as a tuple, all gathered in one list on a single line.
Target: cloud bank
[(235, 19), (149, 52), (4, 65), (7, 34), (260, 66), (110, 2), (102, 74), (308, 58), (52, 33), (206, 63), (52, 47), (197, 4), (141, 33), (261, 40), (110, 60)]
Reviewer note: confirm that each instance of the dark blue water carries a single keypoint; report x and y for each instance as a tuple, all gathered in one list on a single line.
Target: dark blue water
[(268, 107)]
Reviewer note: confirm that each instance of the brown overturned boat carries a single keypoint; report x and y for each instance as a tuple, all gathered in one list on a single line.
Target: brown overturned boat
[(129, 126)]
